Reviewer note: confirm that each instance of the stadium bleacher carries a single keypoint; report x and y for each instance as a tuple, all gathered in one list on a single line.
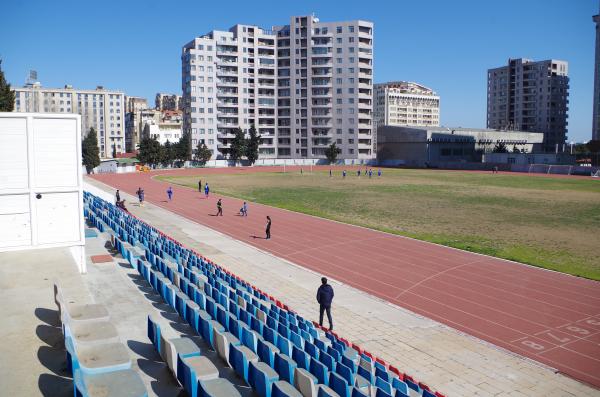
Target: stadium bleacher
[(272, 348)]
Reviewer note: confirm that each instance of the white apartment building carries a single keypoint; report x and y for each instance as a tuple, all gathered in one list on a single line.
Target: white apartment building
[(161, 125), (304, 86), (101, 109), (406, 104)]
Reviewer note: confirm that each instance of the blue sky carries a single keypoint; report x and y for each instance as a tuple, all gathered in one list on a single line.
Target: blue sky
[(447, 45)]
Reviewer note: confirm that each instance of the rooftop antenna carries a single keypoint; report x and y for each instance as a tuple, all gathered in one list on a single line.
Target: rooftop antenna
[(32, 78)]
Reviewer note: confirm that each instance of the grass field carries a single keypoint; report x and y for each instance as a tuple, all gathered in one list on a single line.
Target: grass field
[(552, 223)]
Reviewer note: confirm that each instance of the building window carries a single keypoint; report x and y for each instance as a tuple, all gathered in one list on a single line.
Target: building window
[(338, 29)]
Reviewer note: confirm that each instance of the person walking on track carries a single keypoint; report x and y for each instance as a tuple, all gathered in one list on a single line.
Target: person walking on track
[(244, 209), (268, 228), (219, 208), (199, 185), (118, 196), (324, 298), (140, 194), (170, 193), (206, 190)]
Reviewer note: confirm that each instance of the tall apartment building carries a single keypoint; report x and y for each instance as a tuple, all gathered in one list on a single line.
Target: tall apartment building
[(404, 103), (596, 116), (102, 109), (530, 96), (133, 106), (168, 102), (303, 85)]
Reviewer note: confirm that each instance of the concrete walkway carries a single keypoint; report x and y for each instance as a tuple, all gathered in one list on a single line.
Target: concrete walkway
[(445, 359)]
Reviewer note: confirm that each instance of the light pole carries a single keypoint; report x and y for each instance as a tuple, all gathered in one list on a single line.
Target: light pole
[(572, 147)]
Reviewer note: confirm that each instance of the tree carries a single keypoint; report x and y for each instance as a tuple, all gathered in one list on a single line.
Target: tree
[(593, 146), (184, 147), (332, 152), (90, 154), (237, 145), (150, 151), (7, 96), (252, 145), (203, 153), (500, 148), (168, 153)]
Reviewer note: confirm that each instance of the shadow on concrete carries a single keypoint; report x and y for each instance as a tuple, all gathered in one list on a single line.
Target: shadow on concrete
[(164, 384), (51, 336), (146, 350), (48, 316), (53, 359), (52, 385)]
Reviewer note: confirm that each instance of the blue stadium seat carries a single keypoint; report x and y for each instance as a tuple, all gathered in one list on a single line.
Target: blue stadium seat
[(339, 385), (301, 357), (249, 339), (261, 378), (383, 385), (266, 352), (382, 393), (319, 371), (282, 388), (239, 358), (270, 335), (345, 373), (327, 360), (284, 345), (285, 367)]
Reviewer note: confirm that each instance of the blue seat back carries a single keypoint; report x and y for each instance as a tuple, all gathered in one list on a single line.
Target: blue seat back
[(285, 367), (339, 385), (301, 357), (319, 371)]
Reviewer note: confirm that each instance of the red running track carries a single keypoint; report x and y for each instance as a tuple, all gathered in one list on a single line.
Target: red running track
[(547, 316)]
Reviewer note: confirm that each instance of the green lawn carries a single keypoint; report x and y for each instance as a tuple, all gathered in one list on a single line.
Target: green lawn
[(548, 222)]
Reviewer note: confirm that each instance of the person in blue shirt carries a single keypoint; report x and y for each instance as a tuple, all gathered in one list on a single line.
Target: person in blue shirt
[(379, 172), (344, 174), (206, 190), (324, 298), (170, 193)]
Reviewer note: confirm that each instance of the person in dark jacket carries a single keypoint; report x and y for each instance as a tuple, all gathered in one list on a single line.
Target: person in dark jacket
[(268, 228), (324, 297)]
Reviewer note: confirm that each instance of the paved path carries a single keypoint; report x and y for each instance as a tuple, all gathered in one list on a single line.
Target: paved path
[(550, 317)]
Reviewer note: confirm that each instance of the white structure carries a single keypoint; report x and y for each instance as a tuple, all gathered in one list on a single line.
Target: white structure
[(303, 85), (530, 96), (406, 104), (163, 132), (41, 194), (102, 109), (596, 112)]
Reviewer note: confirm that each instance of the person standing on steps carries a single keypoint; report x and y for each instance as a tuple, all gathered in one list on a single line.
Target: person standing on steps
[(118, 196), (268, 229), (170, 193), (219, 208), (206, 190), (324, 298)]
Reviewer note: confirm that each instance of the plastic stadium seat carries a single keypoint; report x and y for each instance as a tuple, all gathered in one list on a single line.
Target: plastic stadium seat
[(412, 385), (400, 386), (319, 371), (345, 373), (349, 363), (285, 367), (305, 382), (301, 357), (117, 383), (194, 369), (239, 358), (270, 335), (311, 350), (427, 393), (365, 374), (174, 348), (261, 378), (98, 358), (382, 393), (266, 352), (217, 388), (325, 391), (249, 338), (328, 360), (282, 388), (192, 312), (383, 385), (358, 393), (284, 345), (223, 341), (339, 385), (296, 339)]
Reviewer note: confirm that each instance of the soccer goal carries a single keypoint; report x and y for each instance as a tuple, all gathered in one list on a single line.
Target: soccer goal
[(550, 169), (596, 174)]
